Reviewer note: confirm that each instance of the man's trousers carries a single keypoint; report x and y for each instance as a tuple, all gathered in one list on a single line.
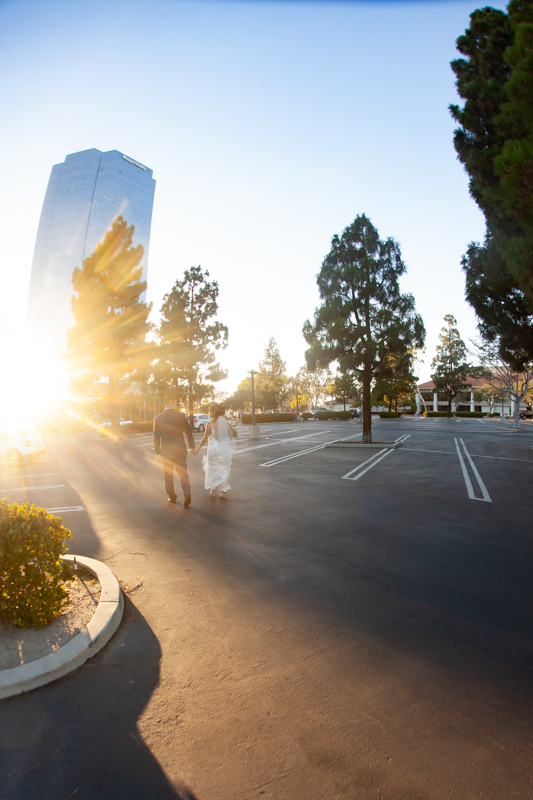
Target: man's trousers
[(178, 463)]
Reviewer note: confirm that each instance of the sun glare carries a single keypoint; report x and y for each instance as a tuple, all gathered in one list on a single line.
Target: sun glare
[(35, 382)]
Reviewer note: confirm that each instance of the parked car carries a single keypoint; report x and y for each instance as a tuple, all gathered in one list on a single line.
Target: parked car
[(24, 443), (354, 412), (315, 411), (527, 413), (200, 422), (124, 423)]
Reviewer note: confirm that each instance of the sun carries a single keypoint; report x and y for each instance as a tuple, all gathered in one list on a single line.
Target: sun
[(35, 380)]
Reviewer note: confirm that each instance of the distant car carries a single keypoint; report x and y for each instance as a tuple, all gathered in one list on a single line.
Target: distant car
[(527, 413), (315, 411), (24, 443), (200, 422), (354, 413), (107, 424)]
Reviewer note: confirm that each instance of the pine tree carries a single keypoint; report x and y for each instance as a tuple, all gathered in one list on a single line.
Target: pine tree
[(108, 339), (495, 143), (363, 317), (271, 380), (189, 336), (451, 370)]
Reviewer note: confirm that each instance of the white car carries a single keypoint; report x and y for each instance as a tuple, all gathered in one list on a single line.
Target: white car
[(24, 443), (200, 421)]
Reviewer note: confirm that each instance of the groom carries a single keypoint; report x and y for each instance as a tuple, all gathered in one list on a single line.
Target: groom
[(170, 427)]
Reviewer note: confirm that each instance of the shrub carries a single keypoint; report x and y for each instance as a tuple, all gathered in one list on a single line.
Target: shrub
[(469, 414), (260, 419), (139, 427), (31, 542), (333, 415), (495, 414), (307, 415), (390, 414), (436, 413)]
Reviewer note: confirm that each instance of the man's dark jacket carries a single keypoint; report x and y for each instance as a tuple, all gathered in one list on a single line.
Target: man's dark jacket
[(169, 429)]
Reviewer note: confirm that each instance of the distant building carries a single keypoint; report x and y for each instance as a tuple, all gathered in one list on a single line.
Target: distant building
[(428, 399), (85, 194)]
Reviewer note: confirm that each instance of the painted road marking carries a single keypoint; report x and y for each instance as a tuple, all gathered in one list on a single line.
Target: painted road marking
[(45, 475), (423, 450), (466, 476), (280, 441), (383, 453), (31, 488), (372, 461), (63, 510), (304, 452)]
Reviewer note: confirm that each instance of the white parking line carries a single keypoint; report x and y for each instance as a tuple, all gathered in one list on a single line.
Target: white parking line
[(303, 452), (375, 459), (39, 475), (63, 510), (383, 453), (280, 441), (468, 482), (30, 488)]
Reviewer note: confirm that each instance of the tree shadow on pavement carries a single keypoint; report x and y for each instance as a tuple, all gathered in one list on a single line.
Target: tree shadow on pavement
[(78, 736)]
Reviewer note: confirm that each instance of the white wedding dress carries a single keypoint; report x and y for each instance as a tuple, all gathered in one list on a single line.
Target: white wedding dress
[(217, 462)]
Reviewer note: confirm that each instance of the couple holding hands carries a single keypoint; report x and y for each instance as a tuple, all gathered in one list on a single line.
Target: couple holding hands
[(170, 430)]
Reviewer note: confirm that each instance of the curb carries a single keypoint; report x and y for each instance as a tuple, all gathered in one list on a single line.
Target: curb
[(361, 445), (83, 646)]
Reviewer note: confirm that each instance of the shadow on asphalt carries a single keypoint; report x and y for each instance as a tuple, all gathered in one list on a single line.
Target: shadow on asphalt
[(78, 736)]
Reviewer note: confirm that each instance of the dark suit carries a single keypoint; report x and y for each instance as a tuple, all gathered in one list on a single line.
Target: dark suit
[(170, 428)]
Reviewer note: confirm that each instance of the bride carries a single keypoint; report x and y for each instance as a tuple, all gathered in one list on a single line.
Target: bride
[(221, 443)]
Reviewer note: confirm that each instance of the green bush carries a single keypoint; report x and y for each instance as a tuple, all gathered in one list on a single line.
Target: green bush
[(260, 419), (333, 415), (495, 414), (307, 415), (469, 414), (436, 413), (31, 572), (138, 427), (390, 414)]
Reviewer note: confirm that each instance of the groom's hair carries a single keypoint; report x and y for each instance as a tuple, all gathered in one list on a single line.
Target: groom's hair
[(170, 401)]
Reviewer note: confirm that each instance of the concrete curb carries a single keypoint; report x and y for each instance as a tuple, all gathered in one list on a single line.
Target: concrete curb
[(86, 644), (361, 445)]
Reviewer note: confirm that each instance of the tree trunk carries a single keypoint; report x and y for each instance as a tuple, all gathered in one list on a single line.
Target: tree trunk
[(191, 407), (449, 408), (516, 416), (367, 409)]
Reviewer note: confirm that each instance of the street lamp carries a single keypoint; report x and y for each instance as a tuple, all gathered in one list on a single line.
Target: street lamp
[(253, 430)]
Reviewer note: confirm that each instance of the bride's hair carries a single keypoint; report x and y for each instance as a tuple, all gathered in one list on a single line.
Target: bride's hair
[(217, 409)]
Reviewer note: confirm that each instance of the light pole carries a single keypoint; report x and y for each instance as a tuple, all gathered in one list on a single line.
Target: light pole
[(254, 430)]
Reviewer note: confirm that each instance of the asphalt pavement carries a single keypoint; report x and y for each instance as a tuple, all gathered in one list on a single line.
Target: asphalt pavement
[(348, 624)]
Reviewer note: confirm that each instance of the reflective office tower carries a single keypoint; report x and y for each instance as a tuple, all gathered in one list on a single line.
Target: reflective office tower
[(85, 194)]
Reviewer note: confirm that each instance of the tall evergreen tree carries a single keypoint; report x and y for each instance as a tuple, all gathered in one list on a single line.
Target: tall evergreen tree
[(363, 317), (189, 336), (451, 369), (271, 380), (108, 339), (495, 143)]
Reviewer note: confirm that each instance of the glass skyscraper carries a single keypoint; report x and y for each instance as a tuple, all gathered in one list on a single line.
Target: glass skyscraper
[(85, 194)]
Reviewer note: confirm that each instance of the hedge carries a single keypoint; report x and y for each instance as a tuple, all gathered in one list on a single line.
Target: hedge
[(390, 414), (139, 427), (436, 413), (333, 415), (260, 419), (31, 572), (495, 414), (469, 414)]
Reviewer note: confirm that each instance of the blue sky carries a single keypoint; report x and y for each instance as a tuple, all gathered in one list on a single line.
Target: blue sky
[(269, 127)]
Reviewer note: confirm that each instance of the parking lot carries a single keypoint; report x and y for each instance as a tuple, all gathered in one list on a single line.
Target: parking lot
[(350, 623)]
